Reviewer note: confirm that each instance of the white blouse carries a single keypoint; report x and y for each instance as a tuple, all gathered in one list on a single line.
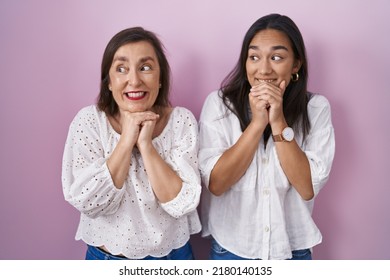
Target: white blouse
[(131, 221), (262, 215)]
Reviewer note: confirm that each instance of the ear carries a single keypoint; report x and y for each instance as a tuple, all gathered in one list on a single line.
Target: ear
[(297, 65)]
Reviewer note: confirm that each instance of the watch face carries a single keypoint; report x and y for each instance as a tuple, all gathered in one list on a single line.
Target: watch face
[(288, 134)]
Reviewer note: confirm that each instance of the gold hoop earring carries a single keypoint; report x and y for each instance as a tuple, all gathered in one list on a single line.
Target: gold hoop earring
[(295, 77)]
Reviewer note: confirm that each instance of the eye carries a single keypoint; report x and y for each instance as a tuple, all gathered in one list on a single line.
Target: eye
[(253, 58), (121, 69), (276, 57), (146, 68)]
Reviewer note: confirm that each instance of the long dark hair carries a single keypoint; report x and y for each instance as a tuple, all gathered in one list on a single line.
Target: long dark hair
[(235, 87), (105, 100)]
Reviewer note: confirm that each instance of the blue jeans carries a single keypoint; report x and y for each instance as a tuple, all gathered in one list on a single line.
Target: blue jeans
[(182, 253), (219, 253)]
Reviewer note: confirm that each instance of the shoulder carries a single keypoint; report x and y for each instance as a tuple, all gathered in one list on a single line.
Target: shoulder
[(180, 116), (214, 97), (88, 112), (319, 110), (318, 101), (88, 117), (182, 125), (182, 113), (214, 107)]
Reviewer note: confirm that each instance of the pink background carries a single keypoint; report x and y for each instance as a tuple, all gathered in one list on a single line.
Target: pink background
[(49, 69)]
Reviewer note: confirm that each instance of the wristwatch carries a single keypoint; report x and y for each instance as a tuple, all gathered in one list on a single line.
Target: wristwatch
[(286, 136)]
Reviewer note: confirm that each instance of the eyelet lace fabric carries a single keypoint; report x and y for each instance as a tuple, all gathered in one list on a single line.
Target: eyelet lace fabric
[(131, 221)]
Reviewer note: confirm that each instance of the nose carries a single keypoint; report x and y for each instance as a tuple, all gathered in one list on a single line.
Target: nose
[(265, 67), (133, 78)]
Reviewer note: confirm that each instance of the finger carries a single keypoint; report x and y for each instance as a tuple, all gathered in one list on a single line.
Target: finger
[(261, 104), (148, 123), (282, 86), (152, 117), (263, 88), (146, 116), (254, 92)]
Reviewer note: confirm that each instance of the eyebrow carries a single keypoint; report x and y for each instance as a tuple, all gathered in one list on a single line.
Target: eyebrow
[(120, 58), (274, 48), (146, 58), (125, 59)]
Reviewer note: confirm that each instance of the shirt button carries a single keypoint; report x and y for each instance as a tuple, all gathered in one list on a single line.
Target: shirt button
[(266, 229), (264, 160), (266, 192)]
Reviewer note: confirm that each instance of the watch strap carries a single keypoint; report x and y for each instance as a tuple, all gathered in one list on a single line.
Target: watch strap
[(278, 138)]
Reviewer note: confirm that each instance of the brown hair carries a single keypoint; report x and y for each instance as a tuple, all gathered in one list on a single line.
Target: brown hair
[(105, 101)]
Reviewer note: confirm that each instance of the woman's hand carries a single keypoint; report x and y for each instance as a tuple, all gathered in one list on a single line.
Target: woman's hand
[(272, 96), (133, 123), (259, 110), (146, 133), (131, 129)]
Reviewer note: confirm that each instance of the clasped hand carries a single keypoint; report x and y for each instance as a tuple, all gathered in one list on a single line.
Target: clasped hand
[(138, 127), (266, 102)]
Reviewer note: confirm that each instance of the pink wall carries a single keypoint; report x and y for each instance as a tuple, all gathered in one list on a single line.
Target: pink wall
[(49, 65)]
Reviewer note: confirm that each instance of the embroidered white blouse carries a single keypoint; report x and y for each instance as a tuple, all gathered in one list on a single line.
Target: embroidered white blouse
[(262, 216), (131, 221)]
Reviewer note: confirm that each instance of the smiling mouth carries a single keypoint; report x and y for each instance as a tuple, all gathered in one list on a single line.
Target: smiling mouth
[(264, 81), (135, 95)]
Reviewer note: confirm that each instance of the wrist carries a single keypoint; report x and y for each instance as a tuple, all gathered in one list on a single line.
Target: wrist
[(255, 129), (287, 135), (145, 146), (126, 143)]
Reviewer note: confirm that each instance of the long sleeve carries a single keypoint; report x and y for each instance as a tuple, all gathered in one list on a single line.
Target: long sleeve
[(319, 147), (215, 135), (86, 180), (183, 158), (320, 143)]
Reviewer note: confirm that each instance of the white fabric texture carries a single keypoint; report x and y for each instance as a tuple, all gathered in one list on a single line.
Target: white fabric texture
[(131, 221), (262, 216)]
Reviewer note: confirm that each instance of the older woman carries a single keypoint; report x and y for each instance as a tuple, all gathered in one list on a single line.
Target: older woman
[(130, 162)]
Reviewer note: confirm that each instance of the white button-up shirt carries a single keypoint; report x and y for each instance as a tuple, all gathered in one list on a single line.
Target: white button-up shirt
[(262, 215), (131, 221)]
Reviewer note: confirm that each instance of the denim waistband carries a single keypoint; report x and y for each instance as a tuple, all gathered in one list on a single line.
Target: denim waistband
[(182, 253), (95, 253)]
